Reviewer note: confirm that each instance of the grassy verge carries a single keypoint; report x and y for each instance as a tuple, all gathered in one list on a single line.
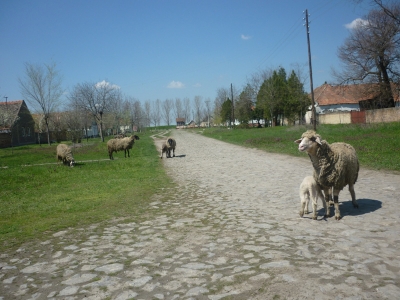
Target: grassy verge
[(40, 196), (377, 145)]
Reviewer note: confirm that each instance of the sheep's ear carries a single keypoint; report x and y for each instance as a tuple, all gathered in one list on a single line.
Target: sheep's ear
[(298, 141), (318, 140)]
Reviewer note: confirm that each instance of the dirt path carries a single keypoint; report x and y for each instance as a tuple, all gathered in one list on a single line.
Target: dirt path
[(230, 230)]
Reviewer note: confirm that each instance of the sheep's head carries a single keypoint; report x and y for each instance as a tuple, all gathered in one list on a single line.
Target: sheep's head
[(72, 163), (308, 141)]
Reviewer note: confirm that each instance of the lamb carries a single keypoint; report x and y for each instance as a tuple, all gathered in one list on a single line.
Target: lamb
[(335, 166), (167, 147), (310, 189), (64, 154), (119, 144)]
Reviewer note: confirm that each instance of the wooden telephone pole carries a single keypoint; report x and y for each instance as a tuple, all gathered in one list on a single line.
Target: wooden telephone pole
[(313, 115), (233, 108)]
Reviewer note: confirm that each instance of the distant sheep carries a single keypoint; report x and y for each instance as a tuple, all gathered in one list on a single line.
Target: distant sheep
[(119, 144), (64, 154), (309, 189), (167, 147), (335, 166)]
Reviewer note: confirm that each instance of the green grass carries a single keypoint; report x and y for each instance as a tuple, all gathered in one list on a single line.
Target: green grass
[(40, 196), (377, 145)]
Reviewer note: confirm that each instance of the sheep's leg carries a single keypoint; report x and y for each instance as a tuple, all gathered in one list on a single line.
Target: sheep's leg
[(330, 202), (173, 151), (307, 200), (326, 201), (336, 204), (128, 153), (353, 195), (303, 204), (314, 198), (323, 203)]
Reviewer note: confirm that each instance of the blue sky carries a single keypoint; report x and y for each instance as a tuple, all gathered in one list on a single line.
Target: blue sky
[(170, 49)]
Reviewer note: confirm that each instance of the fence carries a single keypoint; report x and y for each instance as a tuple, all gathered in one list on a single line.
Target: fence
[(383, 115)]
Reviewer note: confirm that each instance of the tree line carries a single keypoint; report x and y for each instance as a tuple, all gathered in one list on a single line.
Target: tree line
[(370, 54)]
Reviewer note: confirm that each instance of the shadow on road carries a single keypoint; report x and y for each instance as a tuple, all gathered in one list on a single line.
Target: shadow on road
[(365, 206)]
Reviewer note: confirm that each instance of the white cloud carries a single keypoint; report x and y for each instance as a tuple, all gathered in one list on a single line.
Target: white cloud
[(175, 85), (245, 37), (356, 23), (104, 83), (197, 85)]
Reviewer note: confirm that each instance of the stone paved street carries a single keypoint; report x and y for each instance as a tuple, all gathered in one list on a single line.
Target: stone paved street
[(229, 230)]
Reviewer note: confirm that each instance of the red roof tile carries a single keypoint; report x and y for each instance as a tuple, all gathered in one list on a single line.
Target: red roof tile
[(328, 94)]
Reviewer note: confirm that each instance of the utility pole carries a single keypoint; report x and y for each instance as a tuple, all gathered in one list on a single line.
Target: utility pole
[(233, 107), (313, 115)]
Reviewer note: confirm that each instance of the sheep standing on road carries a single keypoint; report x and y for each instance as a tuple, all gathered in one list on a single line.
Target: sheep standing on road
[(335, 166), (309, 189), (64, 154), (167, 147), (119, 144)]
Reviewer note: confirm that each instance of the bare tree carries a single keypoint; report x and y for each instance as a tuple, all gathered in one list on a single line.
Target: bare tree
[(96, 99), (118, 113), (389, 7), (42, 89), (178, 108), (198, 107), (208, 111), (156, 113), (147, 112), (186, 109), (371, 54), (167, 107), (75, 122), (136, 114)]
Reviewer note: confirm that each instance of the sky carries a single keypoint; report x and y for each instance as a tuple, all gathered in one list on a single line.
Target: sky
[(170, 49)]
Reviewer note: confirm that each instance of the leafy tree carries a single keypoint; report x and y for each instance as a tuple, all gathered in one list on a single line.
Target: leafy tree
[(280, 97), (226, 111), (272, 94), (297, 99), (245, 106)]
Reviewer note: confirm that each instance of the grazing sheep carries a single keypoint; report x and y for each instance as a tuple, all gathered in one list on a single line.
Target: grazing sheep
[(64, 154), (167, 147), (309, 189), (119, 144), (335, 166)]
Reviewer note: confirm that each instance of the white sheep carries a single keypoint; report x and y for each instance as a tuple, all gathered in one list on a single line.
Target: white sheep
[(167, 147), (309, 189), (64, 154), (119, 144), (335, 166)]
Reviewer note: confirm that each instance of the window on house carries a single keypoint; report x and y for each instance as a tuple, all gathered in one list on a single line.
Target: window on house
[(23, 131), (29, 131)]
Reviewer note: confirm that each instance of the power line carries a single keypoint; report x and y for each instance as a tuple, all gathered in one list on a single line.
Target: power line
[(295, 29)]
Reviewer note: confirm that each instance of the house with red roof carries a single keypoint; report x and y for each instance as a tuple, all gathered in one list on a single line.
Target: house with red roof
[(331, 98)]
